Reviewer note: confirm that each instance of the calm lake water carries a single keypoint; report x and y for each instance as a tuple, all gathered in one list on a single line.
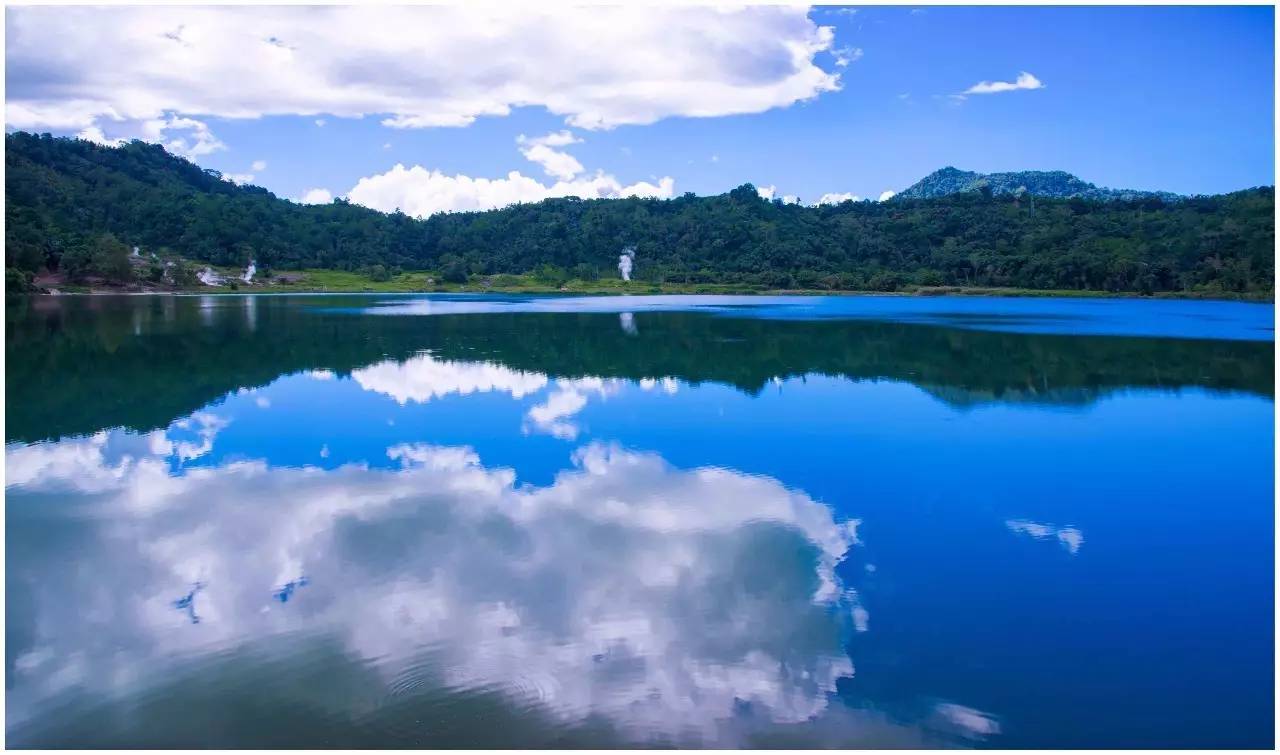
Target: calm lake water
[(375, 521)]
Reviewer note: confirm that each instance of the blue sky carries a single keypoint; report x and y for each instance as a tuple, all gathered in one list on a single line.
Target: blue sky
[(1174, 98)]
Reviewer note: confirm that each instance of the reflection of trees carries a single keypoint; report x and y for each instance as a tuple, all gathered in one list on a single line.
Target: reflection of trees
[(77, 365)]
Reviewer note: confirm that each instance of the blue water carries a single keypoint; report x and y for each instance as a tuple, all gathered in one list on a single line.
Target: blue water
[(721, 521), (1154, 318)]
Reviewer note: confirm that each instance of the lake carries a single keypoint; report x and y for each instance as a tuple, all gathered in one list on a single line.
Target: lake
[(468, 521)]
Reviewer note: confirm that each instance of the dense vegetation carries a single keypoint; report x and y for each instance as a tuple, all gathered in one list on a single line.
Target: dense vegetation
[(1040, 183), (78, 208), (198, 349)]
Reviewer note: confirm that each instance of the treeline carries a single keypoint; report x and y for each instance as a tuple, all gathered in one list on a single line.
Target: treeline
[(72, 206)]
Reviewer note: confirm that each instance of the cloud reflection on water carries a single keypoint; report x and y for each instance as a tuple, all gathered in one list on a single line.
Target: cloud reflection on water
[(663, 599), (423, 378), (1070, 537)]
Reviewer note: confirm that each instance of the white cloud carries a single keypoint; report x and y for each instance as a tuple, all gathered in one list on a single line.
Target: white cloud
[(320, 122), (197, 139), (1024, 81), (887, 194), (837, 198), (94, 134), (846, 55), (316, 196), (247, 178), (562, 138), (180, 135), (414, 66), (544, 151), (771, 191), (421, 192)]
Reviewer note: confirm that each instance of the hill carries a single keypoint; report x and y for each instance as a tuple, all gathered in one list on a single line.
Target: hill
[(79, 208), (1041, 183)]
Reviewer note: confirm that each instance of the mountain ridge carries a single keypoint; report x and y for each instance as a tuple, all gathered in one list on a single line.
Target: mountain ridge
[(76, 209)]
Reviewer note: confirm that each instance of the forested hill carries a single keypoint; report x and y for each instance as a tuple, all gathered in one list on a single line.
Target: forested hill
[(1040, 183), (74, 206)]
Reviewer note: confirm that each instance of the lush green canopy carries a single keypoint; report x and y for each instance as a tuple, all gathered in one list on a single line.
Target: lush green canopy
[(65, 196)]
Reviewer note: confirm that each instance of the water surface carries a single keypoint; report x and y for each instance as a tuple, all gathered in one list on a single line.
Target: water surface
[(369, 521)]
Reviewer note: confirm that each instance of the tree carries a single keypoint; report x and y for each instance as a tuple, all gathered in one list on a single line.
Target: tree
[(183, 275), (64, 195), (111, 259), (453, 269)]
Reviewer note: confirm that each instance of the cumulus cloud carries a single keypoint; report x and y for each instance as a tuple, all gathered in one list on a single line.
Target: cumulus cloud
[(257, 166), (182, 136), (837, 198), (316, 196), (544, 151), (769, 192), (188, 137), (94, 134), (1024, 81), (887, 194), (422, 192), (413, 66)]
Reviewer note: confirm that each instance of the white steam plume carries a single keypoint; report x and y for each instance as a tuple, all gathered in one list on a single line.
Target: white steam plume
[(625, 261)]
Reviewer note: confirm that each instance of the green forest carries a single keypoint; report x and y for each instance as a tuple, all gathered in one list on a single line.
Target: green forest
[(79, 208)]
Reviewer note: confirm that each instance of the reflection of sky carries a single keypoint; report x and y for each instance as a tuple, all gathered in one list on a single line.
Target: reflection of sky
[(1169, 318), (584, 543), (626, 588)]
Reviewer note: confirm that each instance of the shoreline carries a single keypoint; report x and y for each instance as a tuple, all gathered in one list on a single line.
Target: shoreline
[(656, 290)]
